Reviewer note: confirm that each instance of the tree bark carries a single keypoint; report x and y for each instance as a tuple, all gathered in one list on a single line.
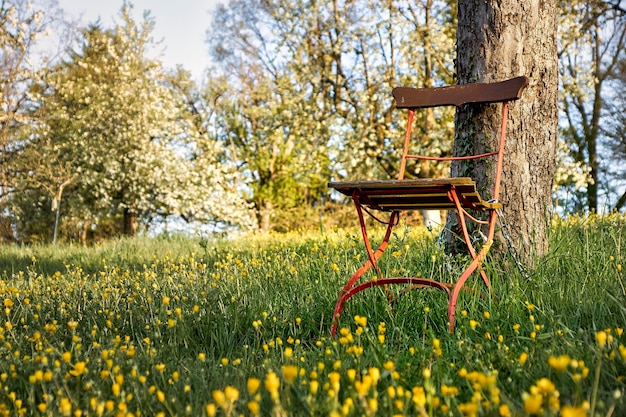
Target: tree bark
[(265, 216), (496, 40), (130, 222)]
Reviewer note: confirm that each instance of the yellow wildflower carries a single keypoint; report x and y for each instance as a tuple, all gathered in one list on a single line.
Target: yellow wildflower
[(570, 411), (290, 372), (79, 368), (419, 396), (231, 393), (253, 385), (272, 384), (211, 410), (559, 363), (254, 408), (533, 403)]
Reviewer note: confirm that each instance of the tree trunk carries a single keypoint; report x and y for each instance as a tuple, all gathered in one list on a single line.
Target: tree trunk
[(496, 40), (265, 218), (130, 222)]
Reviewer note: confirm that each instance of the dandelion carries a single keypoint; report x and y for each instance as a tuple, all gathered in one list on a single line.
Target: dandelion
[(372, 405), (533, 404), (253, 385), (231, 394), (334, 378), (570, 411), (504, 411), (202, 356), (601, 338), (290, 372), (272, 384), (447, 391), (314, 387), (559, 363), (473, 324), (468, 409), (288, 352), (374, 373), (211, 410), (254, 408), (65, 406), (160, 367), (360, 321), (79, 369), (419, 396), (523, 357), (219, 397), (351, 374)]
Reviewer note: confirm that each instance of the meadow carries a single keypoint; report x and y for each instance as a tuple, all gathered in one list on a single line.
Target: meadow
[(174, 326)]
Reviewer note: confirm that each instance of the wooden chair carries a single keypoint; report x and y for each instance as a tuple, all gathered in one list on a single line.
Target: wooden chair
[(459, 194)]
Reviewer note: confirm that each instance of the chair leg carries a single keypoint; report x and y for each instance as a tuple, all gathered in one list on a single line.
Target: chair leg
[(477, 258), (373, 257), (351, 288)]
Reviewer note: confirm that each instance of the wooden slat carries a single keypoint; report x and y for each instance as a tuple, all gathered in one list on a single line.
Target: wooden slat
[(458, 95), (429, 193)]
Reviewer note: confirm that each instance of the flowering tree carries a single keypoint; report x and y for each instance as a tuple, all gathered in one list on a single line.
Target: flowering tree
[(126, 134), (23, 25)]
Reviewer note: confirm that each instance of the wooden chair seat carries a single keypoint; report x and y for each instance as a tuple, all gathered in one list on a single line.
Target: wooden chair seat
[(415, 194)]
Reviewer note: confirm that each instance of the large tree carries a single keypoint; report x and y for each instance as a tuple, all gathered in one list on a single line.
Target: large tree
[(499, 39)]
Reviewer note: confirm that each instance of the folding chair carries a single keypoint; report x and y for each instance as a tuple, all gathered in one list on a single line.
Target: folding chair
[(459, 194)]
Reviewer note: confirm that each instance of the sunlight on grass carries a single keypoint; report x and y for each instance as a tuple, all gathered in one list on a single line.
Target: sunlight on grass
[(190, 327)]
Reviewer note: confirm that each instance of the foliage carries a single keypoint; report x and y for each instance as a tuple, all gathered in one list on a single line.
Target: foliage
[(24, 25), (309, 90), (121, 140), (186, 327), (592, 37)]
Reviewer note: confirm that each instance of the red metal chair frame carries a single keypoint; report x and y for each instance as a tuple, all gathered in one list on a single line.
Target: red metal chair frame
[(457, 194)]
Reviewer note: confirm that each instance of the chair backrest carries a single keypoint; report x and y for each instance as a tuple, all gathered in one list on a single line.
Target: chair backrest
[(459, 95)]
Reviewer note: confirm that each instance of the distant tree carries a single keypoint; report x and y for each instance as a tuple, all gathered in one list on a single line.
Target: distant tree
[(310, 90), (592, 44), (23, 27), (497, 40), (115, 119), (616, 131)]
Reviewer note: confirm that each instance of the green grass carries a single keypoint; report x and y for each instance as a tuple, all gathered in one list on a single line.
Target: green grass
[(183, 326)]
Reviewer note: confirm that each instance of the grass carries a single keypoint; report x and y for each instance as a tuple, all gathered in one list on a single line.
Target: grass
[(181, 326)]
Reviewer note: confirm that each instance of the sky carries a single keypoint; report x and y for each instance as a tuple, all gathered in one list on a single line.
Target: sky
[(181, 25)]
